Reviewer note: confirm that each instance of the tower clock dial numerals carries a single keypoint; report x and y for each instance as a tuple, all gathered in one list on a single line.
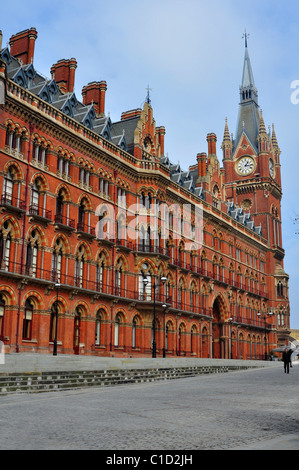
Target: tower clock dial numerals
[(245, 166)]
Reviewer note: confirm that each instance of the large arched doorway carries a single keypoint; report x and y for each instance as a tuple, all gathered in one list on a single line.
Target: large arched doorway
[(219, 337)]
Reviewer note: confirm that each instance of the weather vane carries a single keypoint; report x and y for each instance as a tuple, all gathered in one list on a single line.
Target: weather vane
[(246, 36), (148, 94)]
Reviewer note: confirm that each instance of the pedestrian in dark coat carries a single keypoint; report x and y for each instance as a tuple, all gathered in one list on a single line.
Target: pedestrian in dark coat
[(286, 360), (290, 352)]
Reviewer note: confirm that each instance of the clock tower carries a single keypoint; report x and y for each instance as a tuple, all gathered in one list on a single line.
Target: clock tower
[(251, 161)]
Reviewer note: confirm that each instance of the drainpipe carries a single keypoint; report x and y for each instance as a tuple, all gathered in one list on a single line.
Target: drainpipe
[(23, 236)]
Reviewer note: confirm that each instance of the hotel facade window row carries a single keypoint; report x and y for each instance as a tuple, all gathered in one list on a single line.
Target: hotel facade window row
[(110, 249)]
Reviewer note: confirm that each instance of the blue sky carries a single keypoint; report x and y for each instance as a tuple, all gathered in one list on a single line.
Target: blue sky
[(191, 54)]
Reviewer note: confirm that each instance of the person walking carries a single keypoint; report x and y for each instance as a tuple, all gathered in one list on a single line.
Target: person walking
[(290, 352), (286, 360)]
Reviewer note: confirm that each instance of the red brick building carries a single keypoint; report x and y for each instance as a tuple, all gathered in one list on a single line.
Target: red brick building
[(110, 249)]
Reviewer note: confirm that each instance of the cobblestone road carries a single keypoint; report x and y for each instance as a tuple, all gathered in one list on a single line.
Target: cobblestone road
[(246, 409)]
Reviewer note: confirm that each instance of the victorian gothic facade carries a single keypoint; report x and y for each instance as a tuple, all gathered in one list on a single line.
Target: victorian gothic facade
[(107, 248)]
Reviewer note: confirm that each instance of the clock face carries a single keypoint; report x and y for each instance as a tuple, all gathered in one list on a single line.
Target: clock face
[(271, 168), (245, 166)]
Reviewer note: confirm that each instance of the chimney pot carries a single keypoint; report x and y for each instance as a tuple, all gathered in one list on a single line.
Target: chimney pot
[(22, 45)]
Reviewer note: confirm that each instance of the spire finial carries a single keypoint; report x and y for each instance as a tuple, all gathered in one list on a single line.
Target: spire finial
[(148, 95), (246, 36)]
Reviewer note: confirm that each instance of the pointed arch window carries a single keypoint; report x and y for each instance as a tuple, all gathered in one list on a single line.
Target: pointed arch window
[(99, 328), (100, 273), (145, 283), (2, 316), (167, 336), (81, 214), (119, 277), (27, 320), (79, 267), (5, 246), (8, 187), (57, 260), (134, 328), (117, 325), (32, 254), (60, 200), (192, 339), (53, 321), (279, 289)]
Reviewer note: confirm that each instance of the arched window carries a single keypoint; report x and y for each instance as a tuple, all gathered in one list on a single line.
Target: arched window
[(81, 215), (27, 320), (279, 289), (60, 200), (101, 281), (167, 336), (63, 165), (181, 338), (14, 139), (5, 246), (32, 254), (77, 326), (57, 260), (119, 277), (35, 197), (8, 186), (145, 283), (39, 153), (142, 199), (192, 298), (53, 320), (117, 330), (192, 339), (79, 267), (2, 315), (134, 334), (99, 328), (181, 294)]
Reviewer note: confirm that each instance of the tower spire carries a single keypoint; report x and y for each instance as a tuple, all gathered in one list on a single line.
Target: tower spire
[(249, 118), (245, 35)]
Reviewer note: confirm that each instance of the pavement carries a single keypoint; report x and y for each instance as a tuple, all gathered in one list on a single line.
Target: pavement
[(255, 409)]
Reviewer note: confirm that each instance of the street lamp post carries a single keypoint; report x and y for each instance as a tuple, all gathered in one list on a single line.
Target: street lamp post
[(164, 306), (231, 337), (270, 314), (57, 285), (163, 280)]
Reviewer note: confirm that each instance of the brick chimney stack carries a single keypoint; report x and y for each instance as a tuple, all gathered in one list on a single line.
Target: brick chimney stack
[(63, 72), (95, 93), (161, 132), (201, 163), (22, 45), (212, 139)]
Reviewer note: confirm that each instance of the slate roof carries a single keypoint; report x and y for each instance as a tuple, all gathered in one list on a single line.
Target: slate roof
[(121, 133)]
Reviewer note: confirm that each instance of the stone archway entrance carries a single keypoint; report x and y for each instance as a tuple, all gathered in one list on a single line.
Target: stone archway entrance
[(219, 336)]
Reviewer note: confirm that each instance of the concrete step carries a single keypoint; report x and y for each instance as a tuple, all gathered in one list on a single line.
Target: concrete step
[(50, 381)]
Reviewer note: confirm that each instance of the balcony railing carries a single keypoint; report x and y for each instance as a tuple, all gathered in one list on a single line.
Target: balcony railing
[(68, 281), (87, 229), (39, 211), (65, 221), (12, 201)]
